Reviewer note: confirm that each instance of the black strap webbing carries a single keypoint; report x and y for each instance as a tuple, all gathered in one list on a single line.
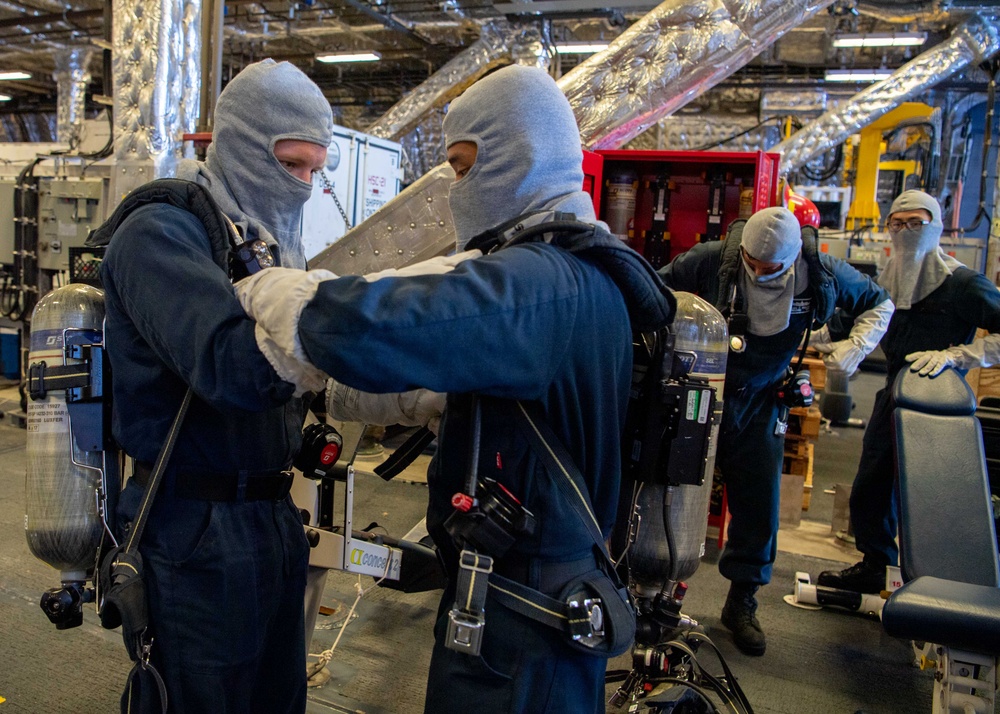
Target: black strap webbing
[(529, 602), (405, 454), (139, 524), (473, 581), (42, 378), (558, 462)]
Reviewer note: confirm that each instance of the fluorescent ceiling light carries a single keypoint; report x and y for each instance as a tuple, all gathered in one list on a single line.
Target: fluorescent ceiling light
[(14, 75), (857, 75), (4, 98), (352, 56), (580, 48), (881, 39)]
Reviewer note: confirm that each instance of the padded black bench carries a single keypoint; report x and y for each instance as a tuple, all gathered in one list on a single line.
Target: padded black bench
[(947, 542)]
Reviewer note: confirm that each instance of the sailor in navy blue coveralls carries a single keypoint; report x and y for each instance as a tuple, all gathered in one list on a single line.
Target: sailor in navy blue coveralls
[(750, 452), (547, 322), (224, 552), (939, 306)]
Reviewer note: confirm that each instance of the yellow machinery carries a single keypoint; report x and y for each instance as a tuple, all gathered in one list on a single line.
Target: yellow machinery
[(864, 209)]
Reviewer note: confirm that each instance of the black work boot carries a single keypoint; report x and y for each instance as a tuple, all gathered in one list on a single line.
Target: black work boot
[(739, 615), (863, 577)]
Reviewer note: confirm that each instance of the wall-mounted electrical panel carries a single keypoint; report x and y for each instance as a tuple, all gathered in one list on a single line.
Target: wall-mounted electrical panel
[(664, 202), (68, 209)]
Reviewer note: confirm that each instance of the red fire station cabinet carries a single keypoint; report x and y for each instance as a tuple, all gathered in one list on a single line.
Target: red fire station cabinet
[(663, 202)]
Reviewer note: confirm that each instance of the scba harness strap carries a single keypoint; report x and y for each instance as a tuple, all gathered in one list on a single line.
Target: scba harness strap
[(594, 608)]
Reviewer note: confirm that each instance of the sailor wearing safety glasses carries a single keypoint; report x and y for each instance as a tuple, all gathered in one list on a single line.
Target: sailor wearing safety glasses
[(939, 305)]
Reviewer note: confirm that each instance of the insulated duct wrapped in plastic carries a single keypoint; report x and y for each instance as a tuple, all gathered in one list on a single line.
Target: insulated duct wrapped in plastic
[(492, 49), (973, 41), (71, 78), (706, 133), (675, 53), (157, 70), (678, 51)]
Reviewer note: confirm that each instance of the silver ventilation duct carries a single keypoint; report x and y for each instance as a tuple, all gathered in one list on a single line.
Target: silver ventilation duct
[(156, 73), (492, 49), (679, 50), (675, 53), (71, 78), (706, 133), (973, 41), (423, 148)]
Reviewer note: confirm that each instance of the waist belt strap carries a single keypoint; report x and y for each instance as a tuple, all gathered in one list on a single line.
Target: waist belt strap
[(233, 486), (529, 602)]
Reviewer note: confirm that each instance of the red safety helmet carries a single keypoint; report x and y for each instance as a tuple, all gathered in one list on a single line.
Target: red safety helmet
[(804, 209)]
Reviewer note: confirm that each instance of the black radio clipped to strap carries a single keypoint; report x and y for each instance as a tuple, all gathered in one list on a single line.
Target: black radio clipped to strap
[(594, 609)]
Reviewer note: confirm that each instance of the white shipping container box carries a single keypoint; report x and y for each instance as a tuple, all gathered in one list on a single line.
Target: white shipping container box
[(364, 172)]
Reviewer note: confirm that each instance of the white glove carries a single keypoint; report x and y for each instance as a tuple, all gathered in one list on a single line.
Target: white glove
[(275, 297), (844, 356), (981, 352), (303, 375), (820, 340), (418, 407), (930, 363)]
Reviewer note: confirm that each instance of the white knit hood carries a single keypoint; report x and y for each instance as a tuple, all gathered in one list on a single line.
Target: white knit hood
[(918, 266)]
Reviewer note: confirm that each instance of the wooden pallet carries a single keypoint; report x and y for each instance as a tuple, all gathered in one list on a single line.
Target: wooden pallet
[(804, 421), (802, 466)]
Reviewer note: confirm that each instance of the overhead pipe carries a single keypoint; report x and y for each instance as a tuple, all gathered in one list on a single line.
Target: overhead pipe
[(455, 76), (975, 40), (212, 21), (66, 17), (391, 23), (902, 13), (71, 76), (675, 53)]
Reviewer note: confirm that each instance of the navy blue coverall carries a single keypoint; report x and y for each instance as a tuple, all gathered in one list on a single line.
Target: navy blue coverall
[(750, 454), (225, 579), (529, 322)]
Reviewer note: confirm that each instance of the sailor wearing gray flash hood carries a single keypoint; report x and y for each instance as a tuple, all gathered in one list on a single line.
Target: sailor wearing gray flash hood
[(770, 271), (224, 554), (771, 238), (266, 103), (545, 322), (939, 306), (528, 152)]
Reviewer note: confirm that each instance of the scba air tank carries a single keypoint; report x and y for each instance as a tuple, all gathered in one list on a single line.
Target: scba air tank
[(64, 481), (699, 330)]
